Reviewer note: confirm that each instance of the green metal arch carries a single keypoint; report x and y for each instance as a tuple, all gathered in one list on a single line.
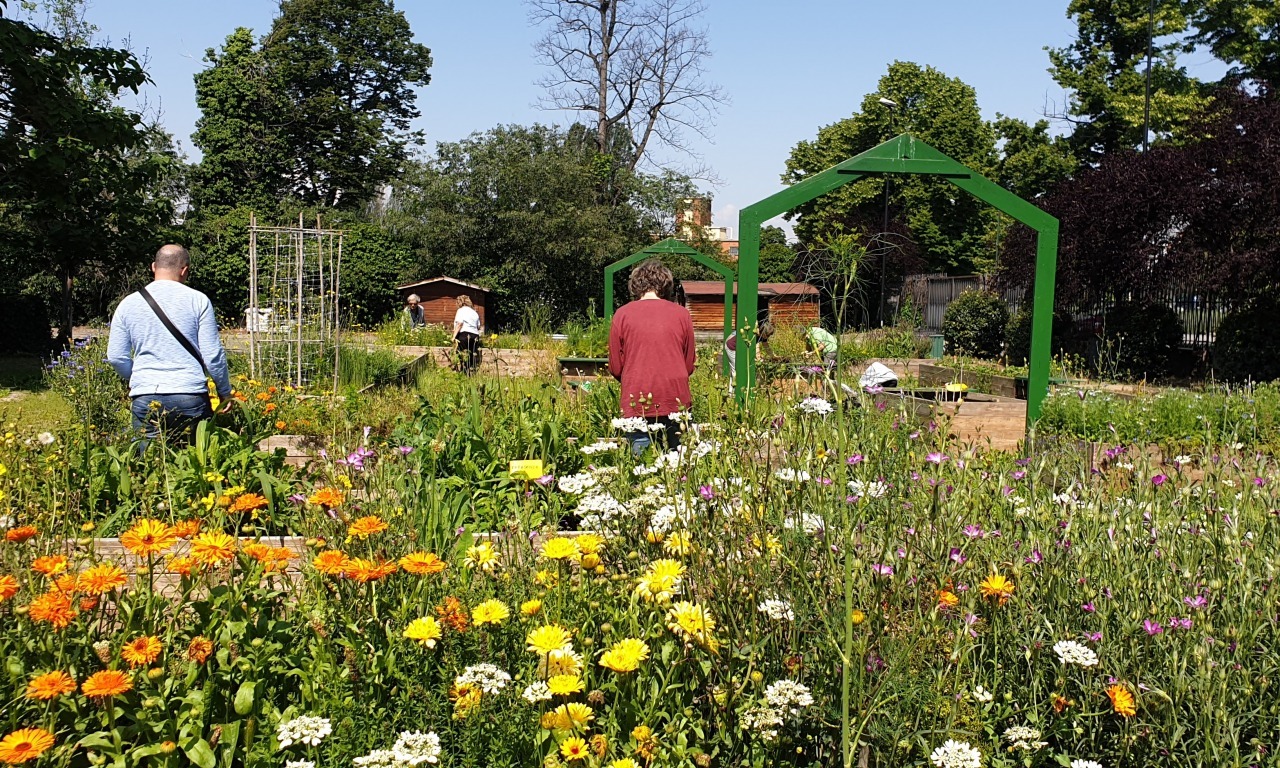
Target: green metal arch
[(907, 155), (673, 247)]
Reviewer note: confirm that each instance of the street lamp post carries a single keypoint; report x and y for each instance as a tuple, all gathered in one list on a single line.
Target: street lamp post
[(884, 229)]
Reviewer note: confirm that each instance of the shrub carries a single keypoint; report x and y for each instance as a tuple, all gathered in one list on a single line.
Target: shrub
[(898, 343), (96, 392), (587, 338), (1017, 337), (26, 324), (396, 332), (1139, 340), (974, 324), (1246, 346)]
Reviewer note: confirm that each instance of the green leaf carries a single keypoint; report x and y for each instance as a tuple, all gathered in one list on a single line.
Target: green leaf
[(244, 698), (99, 740), (200, 753)]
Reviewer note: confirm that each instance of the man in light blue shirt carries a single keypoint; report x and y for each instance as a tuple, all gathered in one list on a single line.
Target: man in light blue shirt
[(166, 382)]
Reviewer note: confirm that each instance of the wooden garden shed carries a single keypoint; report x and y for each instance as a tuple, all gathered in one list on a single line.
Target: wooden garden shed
[(439, 298), (781, 303)]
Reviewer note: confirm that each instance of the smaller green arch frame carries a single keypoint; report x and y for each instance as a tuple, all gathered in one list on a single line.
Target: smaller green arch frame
[(673, 247)]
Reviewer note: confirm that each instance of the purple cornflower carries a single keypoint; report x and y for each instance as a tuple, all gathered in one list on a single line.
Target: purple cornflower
[(935, 458), (1159, 480), (1035, 557), (405, 450), (1177, 623), (1153, 627), (957, 556), (1196, 602), (706, 492), (855, 459), (1088, 608), (882, 570), (545, 480), (1018, 474), (973, 531)]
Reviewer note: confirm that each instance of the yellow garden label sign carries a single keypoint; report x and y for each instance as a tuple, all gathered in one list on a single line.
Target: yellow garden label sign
[(527, 469)]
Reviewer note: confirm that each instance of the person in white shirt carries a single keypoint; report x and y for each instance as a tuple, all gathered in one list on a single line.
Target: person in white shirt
[(466, 332)]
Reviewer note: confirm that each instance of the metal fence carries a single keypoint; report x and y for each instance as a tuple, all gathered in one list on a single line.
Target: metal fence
[(1200, 312)]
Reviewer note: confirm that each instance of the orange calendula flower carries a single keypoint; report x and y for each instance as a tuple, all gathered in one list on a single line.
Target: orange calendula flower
[(1122, 701), (996, 586), (327, 497), (141, 651), (947, 599), (185, 529), (422, 563), (213, 547), (67, 583), (200, 649), (25, 744), (257, 551), (453, 613), (148, 537), (20, 534), (101, 579), (50, 685), (365, 571), (108, 682), (88, 603), (49, 565), (574, 748), (8, 587), (367, 526), (183, 566), (249, 502), (332, 562), (53, 608), (1061, 703), (280, 425), (278, 558)]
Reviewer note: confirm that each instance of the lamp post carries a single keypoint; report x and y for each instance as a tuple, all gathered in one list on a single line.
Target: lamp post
[(884, 230), (1146, 106)]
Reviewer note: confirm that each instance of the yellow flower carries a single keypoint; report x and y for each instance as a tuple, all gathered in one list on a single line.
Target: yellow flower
[(213, 547), (625, 762), (947, 599), (573, 716), (565, 662), (677, 544), (660, 583), (466, 697), (857, 617), (589, 543), (574, 748), (625, 655), (490, 612), (530, 607), (546, 639), (564, 685), (482, 556), (560, 548), (425, 630), (102, 578), (692, 622), (1122, 701), (545, 578), (996, 586)]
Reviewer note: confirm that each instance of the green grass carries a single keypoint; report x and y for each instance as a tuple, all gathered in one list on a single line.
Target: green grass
[(24, 399)]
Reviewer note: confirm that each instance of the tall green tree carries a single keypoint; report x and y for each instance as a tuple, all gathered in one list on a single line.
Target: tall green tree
[(1104, 71), (777, 257), (947, 226), (1242, 33), (1031, 161), (83, 181), (241, 130), (349, 69)]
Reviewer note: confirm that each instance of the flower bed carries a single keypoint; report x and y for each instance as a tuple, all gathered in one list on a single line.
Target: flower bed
[(800, 585)]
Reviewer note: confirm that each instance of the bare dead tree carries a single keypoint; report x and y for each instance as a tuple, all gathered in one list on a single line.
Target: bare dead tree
[(635, 67)]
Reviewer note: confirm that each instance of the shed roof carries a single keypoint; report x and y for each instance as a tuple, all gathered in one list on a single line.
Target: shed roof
[(716, 288), (453, 280)]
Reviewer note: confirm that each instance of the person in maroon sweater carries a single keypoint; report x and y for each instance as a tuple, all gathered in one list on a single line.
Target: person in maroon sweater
[(651, 351)]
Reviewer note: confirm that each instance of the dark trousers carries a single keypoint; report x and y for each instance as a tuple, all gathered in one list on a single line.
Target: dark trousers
[(667, 438), (172, 417), (469, 351)]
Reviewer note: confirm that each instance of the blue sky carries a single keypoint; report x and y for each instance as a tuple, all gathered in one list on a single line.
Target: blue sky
[(787, 67)]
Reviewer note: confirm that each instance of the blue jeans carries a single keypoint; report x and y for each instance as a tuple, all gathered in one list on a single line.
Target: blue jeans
[(173, 417)]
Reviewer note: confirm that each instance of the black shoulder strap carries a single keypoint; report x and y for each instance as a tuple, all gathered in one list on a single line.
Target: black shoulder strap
[(177, 334)]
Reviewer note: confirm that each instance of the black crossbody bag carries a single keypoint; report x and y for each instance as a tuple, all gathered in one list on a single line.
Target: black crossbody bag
[(177, 334)]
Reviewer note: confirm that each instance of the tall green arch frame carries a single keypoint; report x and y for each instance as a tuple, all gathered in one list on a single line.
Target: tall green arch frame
[(906, 155), (673, 247)]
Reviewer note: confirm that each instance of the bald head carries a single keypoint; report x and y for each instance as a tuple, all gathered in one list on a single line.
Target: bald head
[(171, 263)]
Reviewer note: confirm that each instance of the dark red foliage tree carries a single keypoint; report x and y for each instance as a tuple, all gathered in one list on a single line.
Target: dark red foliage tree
[(1203, 216)]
